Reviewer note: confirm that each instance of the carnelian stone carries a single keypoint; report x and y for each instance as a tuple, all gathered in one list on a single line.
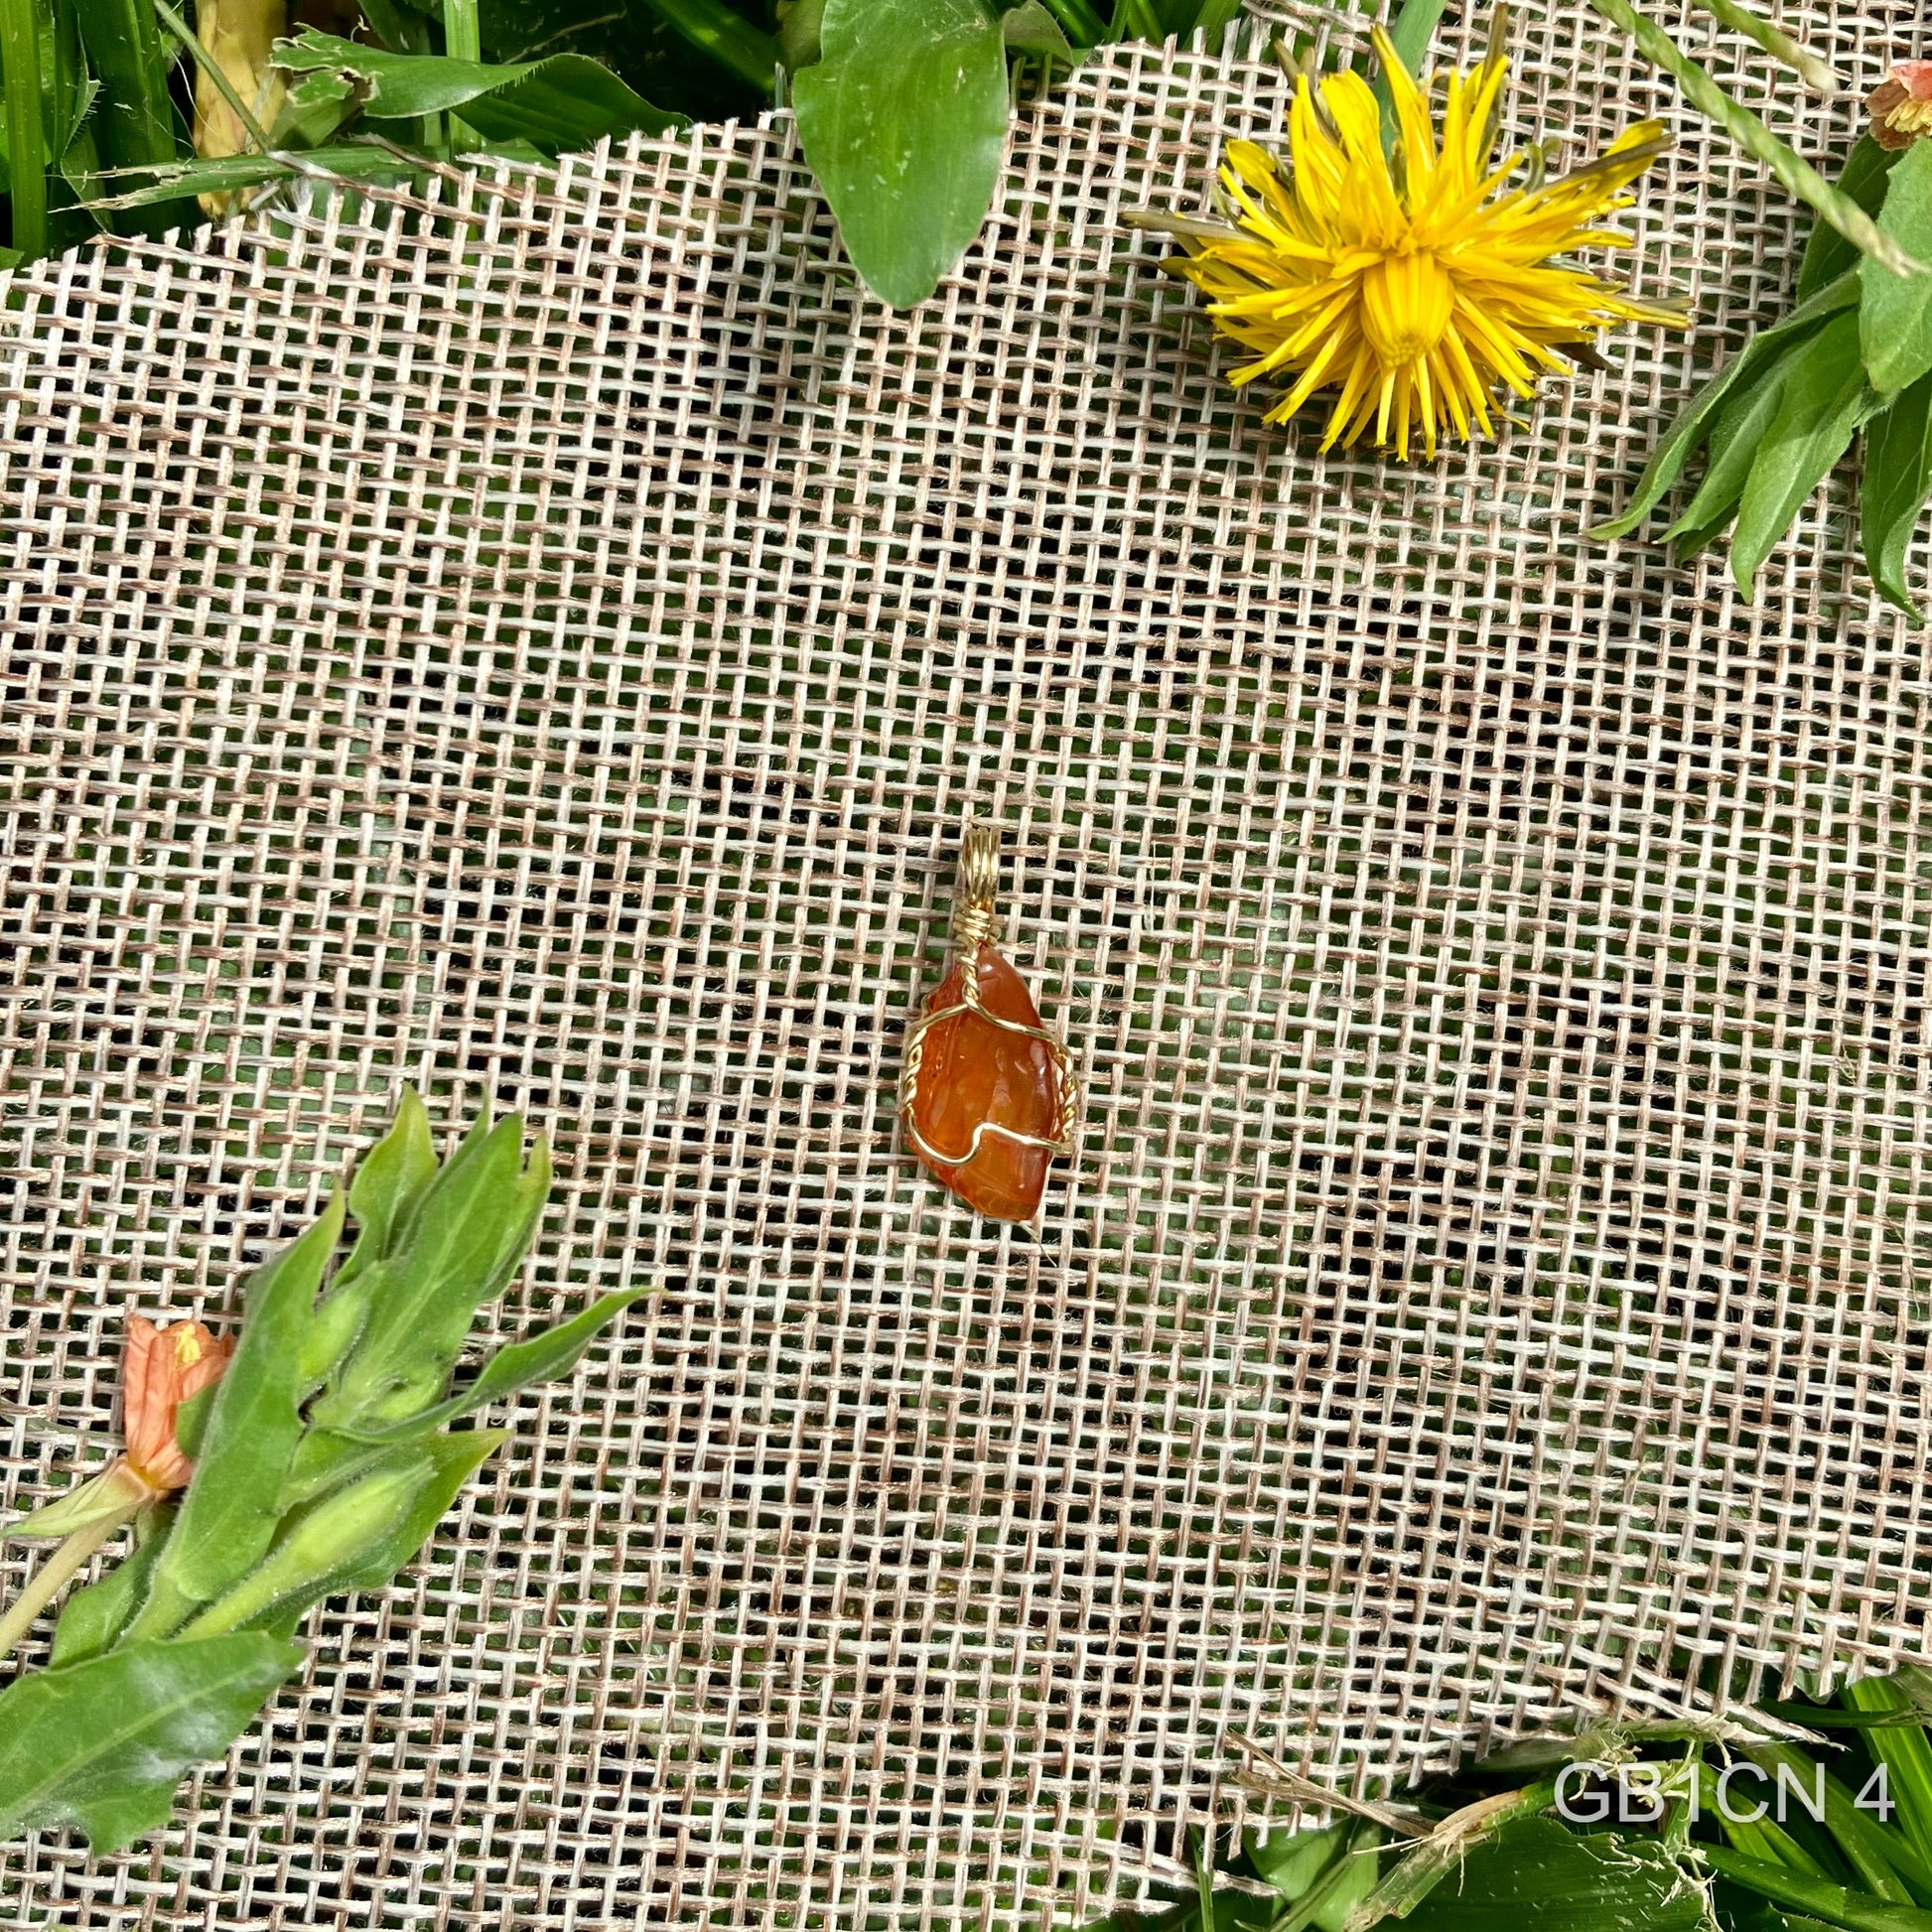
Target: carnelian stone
[(972, 1071)]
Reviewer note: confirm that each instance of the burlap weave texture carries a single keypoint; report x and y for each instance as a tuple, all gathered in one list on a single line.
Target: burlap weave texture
[(544, 647)]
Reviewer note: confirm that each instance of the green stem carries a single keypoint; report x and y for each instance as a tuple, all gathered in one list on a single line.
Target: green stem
[(1758, 140), (1858, 1911), (1813, 72), (208, 64), (53, 1574), (461, 41), (26, 145)]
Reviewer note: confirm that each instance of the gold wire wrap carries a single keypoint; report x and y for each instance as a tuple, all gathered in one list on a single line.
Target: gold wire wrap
[(974, 924)]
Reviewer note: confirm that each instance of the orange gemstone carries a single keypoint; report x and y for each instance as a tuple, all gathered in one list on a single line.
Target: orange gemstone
[(972, 1072)]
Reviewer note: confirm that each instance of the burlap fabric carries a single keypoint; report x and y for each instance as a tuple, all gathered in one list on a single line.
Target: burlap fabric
[(544, 646)]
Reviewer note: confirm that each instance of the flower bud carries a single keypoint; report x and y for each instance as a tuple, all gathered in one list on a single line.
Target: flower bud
[(323, 1542), (1900, 105)]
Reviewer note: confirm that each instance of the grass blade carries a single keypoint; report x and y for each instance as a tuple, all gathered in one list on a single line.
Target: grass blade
[(727, 36), (27, 176), (133, 119), (1906, 1756), (1858, 1911), (1758, 140), (1865, 1843)]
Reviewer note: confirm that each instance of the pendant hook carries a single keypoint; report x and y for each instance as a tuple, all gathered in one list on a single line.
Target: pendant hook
[(974, 921)]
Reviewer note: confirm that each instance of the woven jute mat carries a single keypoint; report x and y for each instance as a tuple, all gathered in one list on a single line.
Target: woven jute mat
[(541, 641)]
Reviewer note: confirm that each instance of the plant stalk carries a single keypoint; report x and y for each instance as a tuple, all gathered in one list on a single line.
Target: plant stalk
[(25, 143), (461, 41), (1758, 140), (1815, 74), (53, 1574)]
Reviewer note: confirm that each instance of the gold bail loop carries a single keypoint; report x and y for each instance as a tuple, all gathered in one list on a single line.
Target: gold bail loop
[(973, 918)]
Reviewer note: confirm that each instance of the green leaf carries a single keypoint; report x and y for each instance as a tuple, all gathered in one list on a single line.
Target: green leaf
[(904, 120), (1828, 255), (544, 1356), (231, 1509), (345, 163), (1408, 34), (726, 35), (133, 122), (93, 1618), (1896, 314), (1869, 1847), (1029, 29), (465, 1242), (1825, 395), (1535, 1875), (1906, 1752), (1859, 1911), (311, 109), (1897, 485), (566, 101), (103, 1743), (1735, 439), (1681, 440), (1323, 1873)]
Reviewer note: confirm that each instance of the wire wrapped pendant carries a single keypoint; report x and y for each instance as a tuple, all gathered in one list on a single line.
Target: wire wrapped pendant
[(988, 1096)]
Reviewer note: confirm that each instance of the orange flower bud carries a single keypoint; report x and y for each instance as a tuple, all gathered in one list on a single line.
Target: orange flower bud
[(165, 1366), (1900, 105)]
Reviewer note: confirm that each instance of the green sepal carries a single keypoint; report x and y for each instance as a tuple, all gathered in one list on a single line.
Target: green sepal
[(388, 1187), (1897, 485), (229, 1512), (1680, 441), (191, 1421), (101, 1745), (516, 1366), (115, 1495)]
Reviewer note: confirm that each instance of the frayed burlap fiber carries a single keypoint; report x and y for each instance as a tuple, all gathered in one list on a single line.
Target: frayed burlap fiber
[(541, 641)]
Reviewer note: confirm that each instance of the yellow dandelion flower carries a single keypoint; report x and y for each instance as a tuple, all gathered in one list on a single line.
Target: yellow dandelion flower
[(1410, 286)]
